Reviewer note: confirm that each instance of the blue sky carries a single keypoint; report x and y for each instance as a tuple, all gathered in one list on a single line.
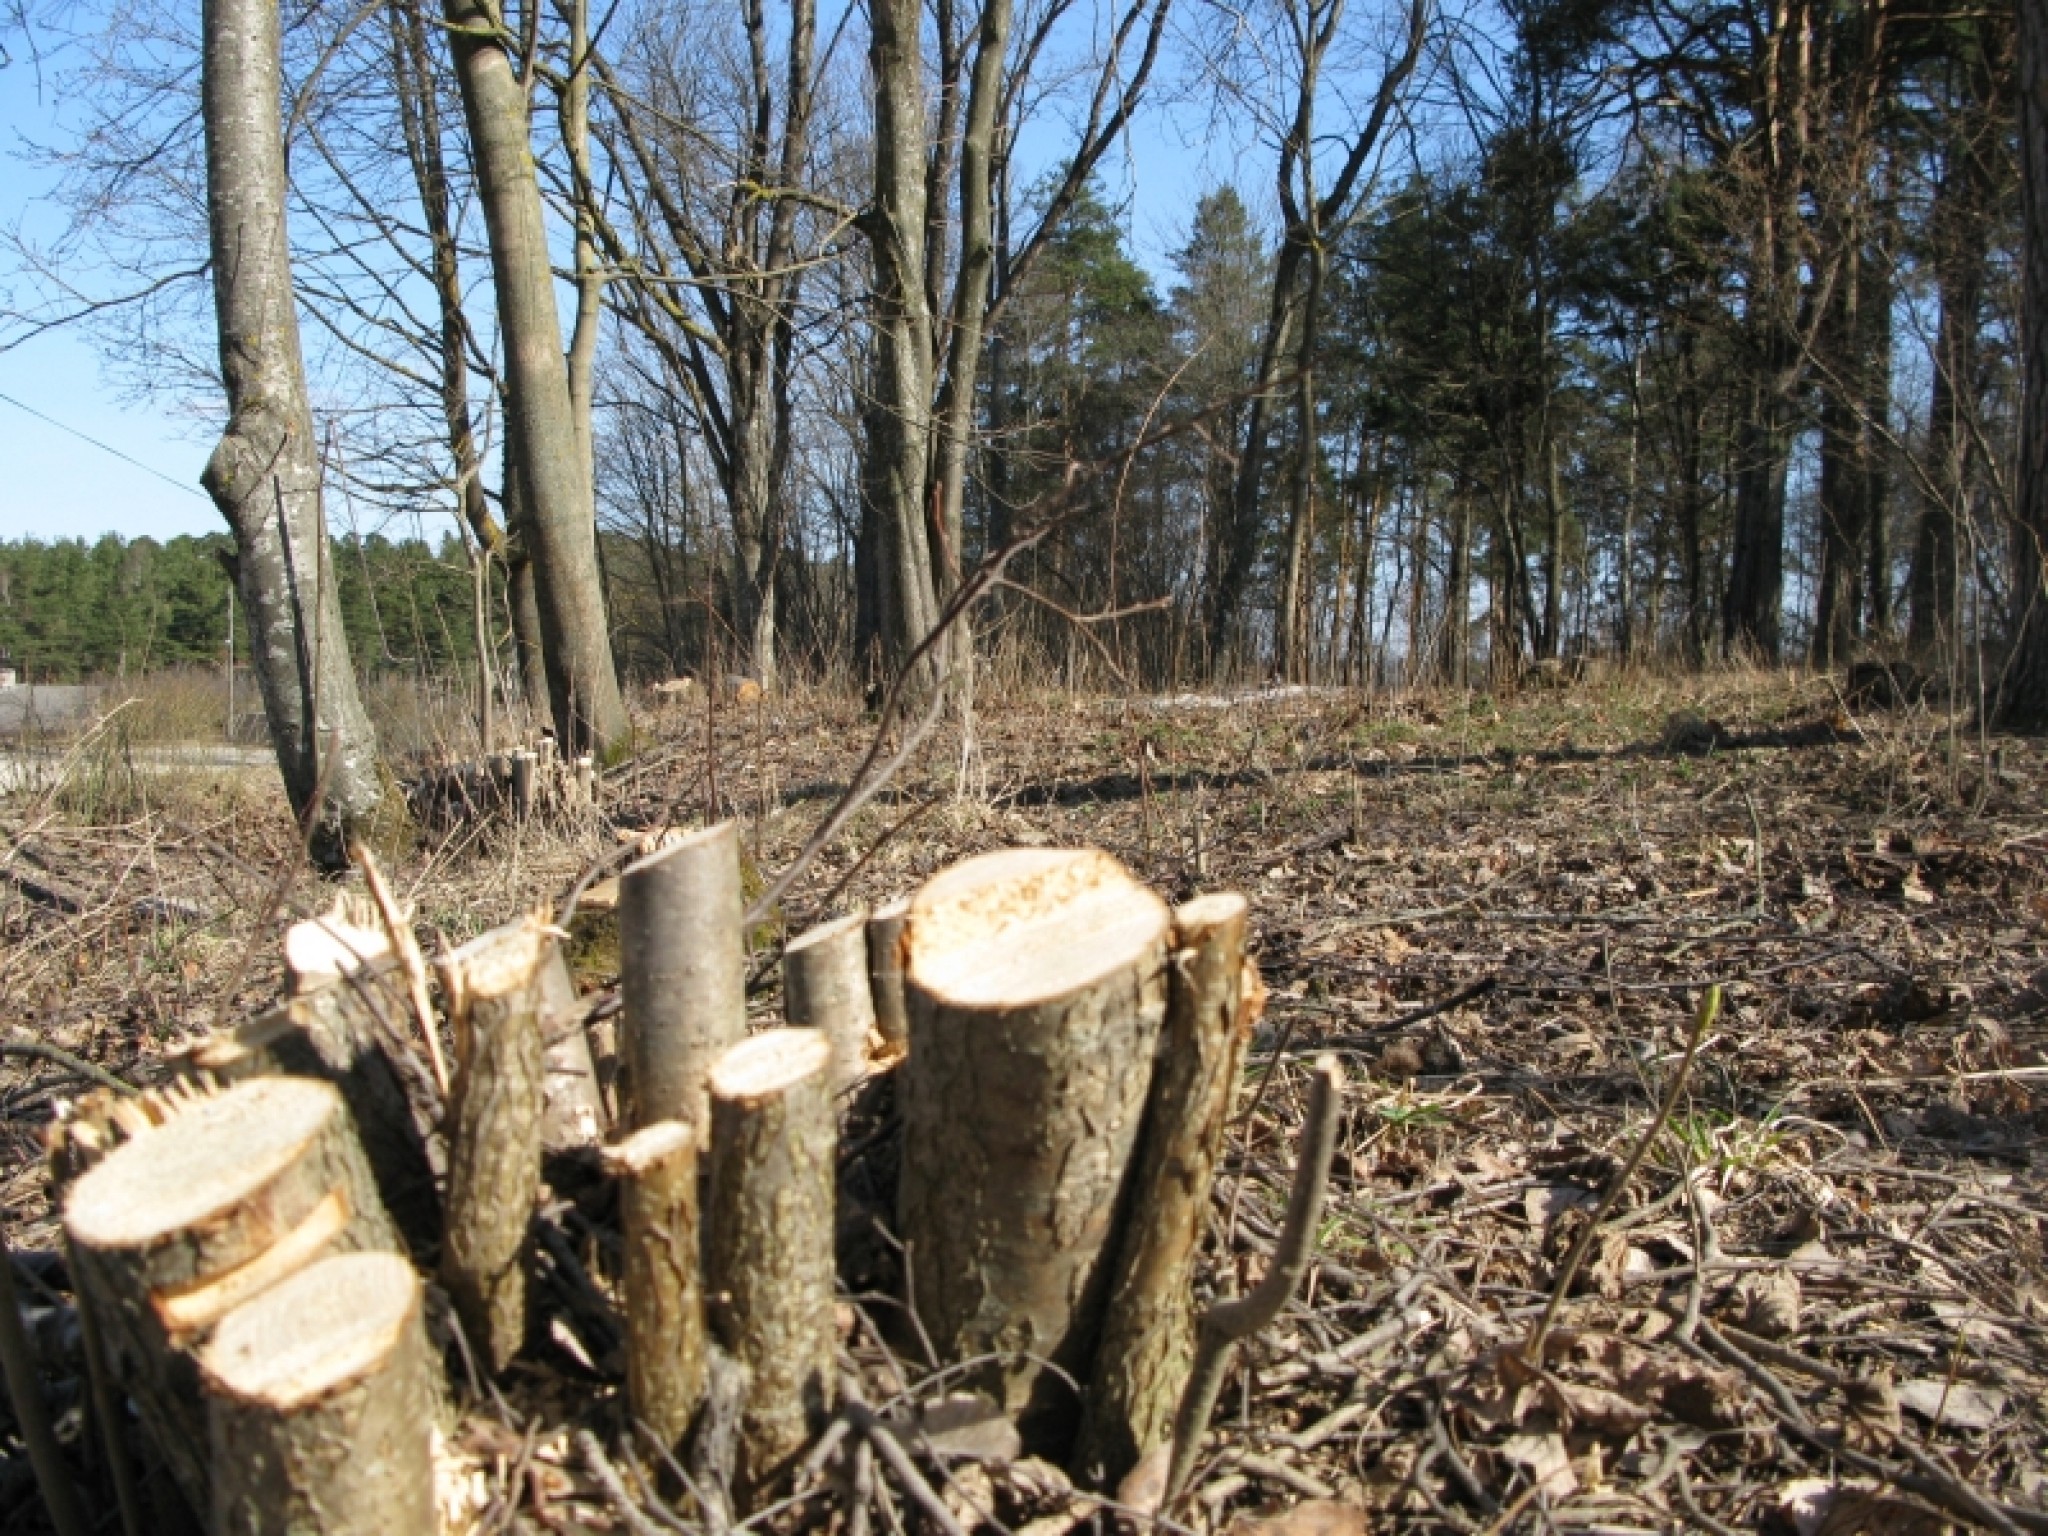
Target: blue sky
[(54, 483)]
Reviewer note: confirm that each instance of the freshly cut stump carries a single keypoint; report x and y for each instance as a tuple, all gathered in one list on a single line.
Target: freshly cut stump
[(663, 1279), (323, 1395), (176, 1228), (885, 973), (496, 995), (1035, 980), (825, 987), (682, 972), (1148, 1335), (774, 1146), (350, 1032)]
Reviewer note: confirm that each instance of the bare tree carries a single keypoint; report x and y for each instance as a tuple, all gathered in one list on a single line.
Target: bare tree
[(265, 473), (547, 452)]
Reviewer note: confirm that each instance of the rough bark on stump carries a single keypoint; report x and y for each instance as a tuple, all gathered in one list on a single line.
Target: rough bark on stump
[(322, 1396), (774, 1146), (682, 967), (1036, 984), (662, 1276), (495, 991), (175, 1228), (1147, 1343), (825, 987), (885, 973)]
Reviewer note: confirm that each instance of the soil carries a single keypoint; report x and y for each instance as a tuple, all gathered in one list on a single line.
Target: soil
[(1815, 1304)]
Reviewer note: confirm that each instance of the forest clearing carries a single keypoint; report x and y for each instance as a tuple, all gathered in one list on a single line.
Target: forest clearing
[(1815, 1304)]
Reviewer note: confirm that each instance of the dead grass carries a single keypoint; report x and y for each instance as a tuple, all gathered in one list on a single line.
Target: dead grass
[(1828, 1266)]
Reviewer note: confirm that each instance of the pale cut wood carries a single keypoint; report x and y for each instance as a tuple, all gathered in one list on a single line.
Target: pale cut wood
[(1036, 985), (774, 1148), (323, 949), (825, 987), (495, 996), (575, 1115), (662, 1276), (885, 973), (172, 1229), (682, 964), (1141, 1365), (322, 1398)]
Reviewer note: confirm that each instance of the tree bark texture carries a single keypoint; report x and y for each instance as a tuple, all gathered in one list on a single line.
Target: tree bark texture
[(1148, 1331), (2023, 695), (825, 987), (774, 1151), (662, 1276), (1036, 986), (574, 1115), (323, 1394), (896, 419), (496, 1002), (682, 972), (583, 687), (885, 973), (174, 1229), (265, 473)]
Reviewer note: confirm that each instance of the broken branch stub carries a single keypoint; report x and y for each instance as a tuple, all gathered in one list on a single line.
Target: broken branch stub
[(774, 1147), (1147, 1344), (495, 992), (661, 1276), (825, 987), (682, 964), (322, 1395), (177, 1227), (1036, 984)]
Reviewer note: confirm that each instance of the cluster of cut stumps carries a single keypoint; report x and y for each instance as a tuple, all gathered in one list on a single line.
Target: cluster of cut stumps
[(251, 1243), (523, 781)]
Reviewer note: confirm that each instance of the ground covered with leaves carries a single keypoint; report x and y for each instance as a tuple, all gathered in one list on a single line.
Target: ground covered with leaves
[(1808, 1292)]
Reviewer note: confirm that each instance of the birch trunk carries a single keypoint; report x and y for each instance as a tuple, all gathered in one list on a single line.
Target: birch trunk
[(264, 474)]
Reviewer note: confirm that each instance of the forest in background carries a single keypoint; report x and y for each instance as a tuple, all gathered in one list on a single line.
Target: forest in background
[(1528, 328)]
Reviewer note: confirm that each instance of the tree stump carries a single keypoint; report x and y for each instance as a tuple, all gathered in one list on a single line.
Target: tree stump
[(885, 973), (682, 970), (662, 1276), (825, 987), (774, 1146), (175, 1228), (1035, 980), (1148, 1335), (323, 1394), (574, 1115), (495, 991), (349, 1032)]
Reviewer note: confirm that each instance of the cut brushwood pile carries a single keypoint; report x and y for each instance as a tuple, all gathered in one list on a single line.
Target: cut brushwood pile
[(1790, 1270)]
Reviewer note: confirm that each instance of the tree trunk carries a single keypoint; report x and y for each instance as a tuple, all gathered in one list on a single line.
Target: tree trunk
[(176, 1228), (682, 978), (583, 688), (774, 1157), (897, 416), (494, 988), (265, 473), (1753, 610), (1148, 1333), (825, 987), (1844, 475), (2023, 695), (661, 1276), (1036, 983), (885, 973), (323, 1396)]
